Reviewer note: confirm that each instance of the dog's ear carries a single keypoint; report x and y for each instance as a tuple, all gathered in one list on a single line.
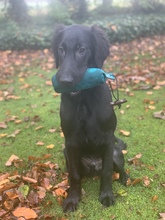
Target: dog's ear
[(101, 45), (56, 40)]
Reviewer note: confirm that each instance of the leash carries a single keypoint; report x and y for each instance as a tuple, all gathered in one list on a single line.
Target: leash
[(117, 101)]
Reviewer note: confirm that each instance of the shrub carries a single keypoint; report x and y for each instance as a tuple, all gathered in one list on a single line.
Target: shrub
[(127, 28), (119, 29), (13, 36)]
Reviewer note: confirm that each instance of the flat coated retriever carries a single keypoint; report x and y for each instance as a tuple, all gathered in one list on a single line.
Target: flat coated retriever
[(88, 120)]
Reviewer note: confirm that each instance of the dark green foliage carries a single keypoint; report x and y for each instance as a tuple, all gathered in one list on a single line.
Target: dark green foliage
[(127, 28), (14, 37), (38, 35)]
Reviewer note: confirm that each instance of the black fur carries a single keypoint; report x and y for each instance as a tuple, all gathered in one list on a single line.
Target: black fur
[(87, 117)]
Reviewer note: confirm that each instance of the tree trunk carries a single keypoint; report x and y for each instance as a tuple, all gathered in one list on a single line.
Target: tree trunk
[(18, 11)]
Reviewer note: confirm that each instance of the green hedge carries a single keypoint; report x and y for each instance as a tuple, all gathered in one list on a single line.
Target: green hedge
[(119, 29), (127, 28), (14, 37)]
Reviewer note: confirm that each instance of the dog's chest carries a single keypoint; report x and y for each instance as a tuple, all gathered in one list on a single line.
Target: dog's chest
[(84, 114), (89, 131)]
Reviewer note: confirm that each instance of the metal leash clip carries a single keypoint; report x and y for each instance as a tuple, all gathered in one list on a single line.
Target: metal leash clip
[(118, 102)]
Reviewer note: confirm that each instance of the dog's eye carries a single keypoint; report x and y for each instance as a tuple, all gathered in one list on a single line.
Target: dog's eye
[(82, 49), (61, 49)]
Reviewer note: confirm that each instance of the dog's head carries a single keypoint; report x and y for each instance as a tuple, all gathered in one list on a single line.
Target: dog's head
[(77, 48)]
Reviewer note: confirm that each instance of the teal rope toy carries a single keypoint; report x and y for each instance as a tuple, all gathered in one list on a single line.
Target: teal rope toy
[(92, 77)]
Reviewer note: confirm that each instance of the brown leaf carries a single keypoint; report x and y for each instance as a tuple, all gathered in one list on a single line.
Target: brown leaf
[(41, 192), (62, 134), (3, 124), (3, 182), (4, 176), (52, 130), (48, 83), (29, 180), (64, 184), (134, 182), (160, 114), (115, 176), (146, 181), (12, 194), (61, 192), (50, 146), (154, 198), (162, 215), (14, 133), (40, 143), (46, 183), (33, 198), (18, 122), (8, 204), (38, 128), (125, 133), (13, 97), (11, 160), (3, 135), (27, 213)]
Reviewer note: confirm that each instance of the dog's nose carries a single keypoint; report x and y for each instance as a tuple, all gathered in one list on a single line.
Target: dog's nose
[(66, 82)]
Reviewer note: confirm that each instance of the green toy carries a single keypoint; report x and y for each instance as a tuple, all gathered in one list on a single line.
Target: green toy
[(92, 77)]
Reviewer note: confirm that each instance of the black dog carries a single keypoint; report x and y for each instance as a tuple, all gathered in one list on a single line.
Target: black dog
[(87, 117)]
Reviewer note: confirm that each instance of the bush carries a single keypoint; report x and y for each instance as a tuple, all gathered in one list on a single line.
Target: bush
[(127, 28), (119, 29), (14, 37)]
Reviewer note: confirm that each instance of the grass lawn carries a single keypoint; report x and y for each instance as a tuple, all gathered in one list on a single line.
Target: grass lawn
[(29, 111)]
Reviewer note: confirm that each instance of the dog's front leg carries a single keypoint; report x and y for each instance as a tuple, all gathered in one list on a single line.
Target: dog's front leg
[(72, 155), (106, 194)]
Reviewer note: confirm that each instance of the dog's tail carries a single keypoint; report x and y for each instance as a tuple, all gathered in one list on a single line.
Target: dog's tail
[(120, 144)]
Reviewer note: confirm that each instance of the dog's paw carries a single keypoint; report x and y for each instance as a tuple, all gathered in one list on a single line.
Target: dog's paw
[(70, 204), (123, 179), (107, 199)]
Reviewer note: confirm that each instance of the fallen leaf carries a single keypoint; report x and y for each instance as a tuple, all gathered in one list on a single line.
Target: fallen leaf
[(27, 213), (125, 133), (40, 143), (24, 190), (62, 134), (18, 121), (149, 93), (13, 135), (50, 146), (122, 192), (3, 135), (3, 182), (154, 198), (52, 130), (38, 128), (160, 114), (29, 180), (11, 160), (162, 215), (61, 192), (48, 83), (3, 125), (138, 156), (124, 151), (41, 192), (134, 182), (152, 107), (115, 176), (146, 181)]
